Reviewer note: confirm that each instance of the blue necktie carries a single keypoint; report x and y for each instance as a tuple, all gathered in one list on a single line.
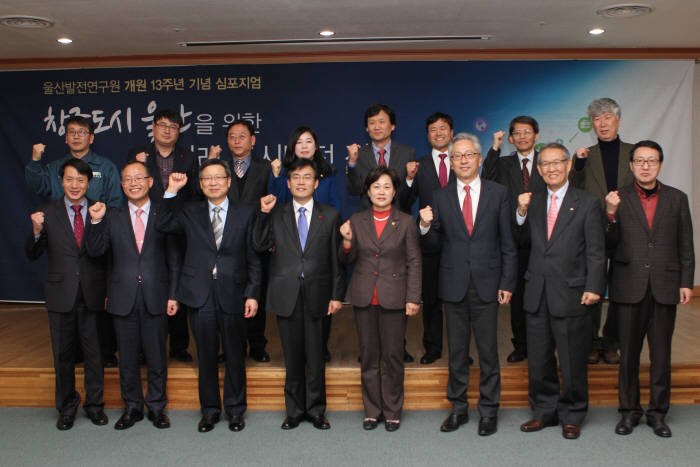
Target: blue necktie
[(303, 227)]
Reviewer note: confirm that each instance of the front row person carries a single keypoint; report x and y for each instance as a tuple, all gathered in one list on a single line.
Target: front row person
[(144, 268), (220, 280), (650, 227), (75, 293), (564, 279)]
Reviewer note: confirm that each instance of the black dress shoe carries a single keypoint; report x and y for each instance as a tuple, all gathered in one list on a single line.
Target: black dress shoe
[(516, 356), (391, 425), (221, 358), (181, 356), (65, 422), (98, 418), (660, 428), (453, 421), (236, 423), (407, 357), (611, 357), (320, 423), (290, 423), (594, 356), (207, 423), (429, 358), (110, 361), (128, 419), (369, 423), (262, 357), (625, 425), (159, 419), (488, 426)]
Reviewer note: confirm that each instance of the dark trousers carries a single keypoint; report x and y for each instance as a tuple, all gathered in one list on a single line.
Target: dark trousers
[(570, 337), (140, 330), (381, 333), (79, 325), (517, 312), (656, 322), (208, 322), (610, 337), (304, 361), (482, 317), (432, 307), (255, 326), (107, 335), (178, 330)]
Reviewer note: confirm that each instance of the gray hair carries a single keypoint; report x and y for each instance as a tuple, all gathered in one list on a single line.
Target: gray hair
[(468, 136), (561, 147), (603, 105)]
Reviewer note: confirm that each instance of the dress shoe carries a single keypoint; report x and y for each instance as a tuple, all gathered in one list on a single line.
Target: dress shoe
[(181, 356), (488, 426), (65, 422), (611, 357), (516, 356), (159, 419), (110, 361), (569, 431), (128, 418), (407, 357), (453, 421), (207, 423), (429, 358), (221, 358), (320, 422), (392, 425), (98, 418), (535, 425), (369, 423), (594, 356), (262, 357), (660, 428), (290, 423), (236, 423), (625, 425)]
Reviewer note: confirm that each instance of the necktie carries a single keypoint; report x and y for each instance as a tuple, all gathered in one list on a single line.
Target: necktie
[(218, 226), (442, 171), (467, 211), (552, 215), (303, 227), (139, 229), (78, 224), (239, 168), (382, 161), (526, 175)]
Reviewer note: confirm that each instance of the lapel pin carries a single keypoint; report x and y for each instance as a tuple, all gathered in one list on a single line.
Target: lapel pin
[(393, 223), (571, 209)]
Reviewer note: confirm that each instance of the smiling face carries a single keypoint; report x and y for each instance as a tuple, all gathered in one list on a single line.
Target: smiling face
[(240, 141), (136, 183), (606, 125), (381, 193), (465, 160), (379, 128), (214, 183), (440, 135), (523, 138), (554, 167), (74, 184), (78, 139), (649, 166), (305, 146), (302, 183)]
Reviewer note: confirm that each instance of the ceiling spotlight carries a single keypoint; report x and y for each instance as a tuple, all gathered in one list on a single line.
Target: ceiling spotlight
[(596, 31), (64, 40), (327, 33)]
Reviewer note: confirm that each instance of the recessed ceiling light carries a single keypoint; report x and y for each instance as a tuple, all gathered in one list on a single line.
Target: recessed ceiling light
[(596, 31), (64, 40), (26, 22), (625, 10), (327, 33)]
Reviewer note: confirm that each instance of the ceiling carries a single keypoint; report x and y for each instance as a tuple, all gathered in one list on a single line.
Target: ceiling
[(143, 27)]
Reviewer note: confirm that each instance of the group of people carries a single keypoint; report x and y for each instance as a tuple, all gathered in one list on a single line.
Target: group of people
[(224, 243)]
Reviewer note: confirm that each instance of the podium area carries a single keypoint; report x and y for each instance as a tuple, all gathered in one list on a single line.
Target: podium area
[(27, 379)]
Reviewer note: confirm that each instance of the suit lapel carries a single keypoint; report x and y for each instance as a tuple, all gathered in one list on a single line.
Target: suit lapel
[(636, 207), (453, 200), (482, 206), (290, 223), (391, 227), (315, 224), (567, 211), (65, 222), (662, 208), (124, 219)]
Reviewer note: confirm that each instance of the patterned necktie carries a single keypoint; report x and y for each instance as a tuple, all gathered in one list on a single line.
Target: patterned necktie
[(442, 171), (526, 175), (139, 229), (303, 227), (78, 224), (218, 226), (239, 168), (467, 211), (382, 161), (552, 215)]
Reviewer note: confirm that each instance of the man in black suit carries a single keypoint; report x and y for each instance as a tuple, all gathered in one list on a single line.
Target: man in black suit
[(220, 281), (307, 284), (144, 268), (75, 293), (162, 157), (564, 279), (470, 223), (650, 227), (249, 183), (516, 172)]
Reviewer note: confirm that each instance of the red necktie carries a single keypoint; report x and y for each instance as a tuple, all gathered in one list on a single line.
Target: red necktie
[(442, 171), (78, 224), (382, 161), (552, 215), (526, 175), (467, 211), (139, 229)]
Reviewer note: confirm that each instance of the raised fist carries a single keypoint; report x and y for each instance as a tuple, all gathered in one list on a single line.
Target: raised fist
[(276, 166), (582, 153), (353, 151), (411, 169), (38, 151), (37, 222), (426, 216), (612, 202), (141, 157), (267, 203), (97, 211), (498, 139), (524, 202), (346, 231), (214, 152), (176, 181)]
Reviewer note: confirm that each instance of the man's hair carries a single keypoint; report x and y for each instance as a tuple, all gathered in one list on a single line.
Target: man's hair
[(603, 105), (167, 114), (526, 120), (81, 121), (647, 143), (245, 123), (377, 172), (561, 147), (374, 109), (468, 136), (210, 162), (300, 163), (144, 166), (434, 117), (80, 165)]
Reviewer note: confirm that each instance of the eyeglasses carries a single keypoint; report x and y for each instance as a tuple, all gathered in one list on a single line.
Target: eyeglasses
[(552, 164), (137, 179), (649, 162), (164, 126), (216, 178), (469, 156), (522, 133), (298, 177), (81, 132)]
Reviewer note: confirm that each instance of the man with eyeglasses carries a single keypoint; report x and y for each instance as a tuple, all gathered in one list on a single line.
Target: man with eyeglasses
[(600, 169), (649, 226), (469, 222), (565, 277)]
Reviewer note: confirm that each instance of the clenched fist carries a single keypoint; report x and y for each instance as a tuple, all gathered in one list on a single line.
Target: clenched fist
[(346, 233), (276, 166), (267, 203), (498, 139), (353, 151), (38, 151), (176, 181), (37, 222), (524, 202), (141, 157), (214, 152), (426, 216), (612, 202), (411, 169), (97, 212), (582, 153)]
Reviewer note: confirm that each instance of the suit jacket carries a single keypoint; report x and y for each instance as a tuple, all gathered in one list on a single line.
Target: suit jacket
[(425, 182), (155, 269), (324, 276), (507, 171), (69, 265), (571, 261), (257, 180), (592, 177), (355, 176), (391, 263), (662, 257), (238, 266), (488, 257)]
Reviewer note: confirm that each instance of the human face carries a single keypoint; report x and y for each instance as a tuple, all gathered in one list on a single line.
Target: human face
[(240, 142), (379, 128), (302, 183), (523, 138), (214, 183), (381, 193), (305, 146), (440, 135), (465, 160), (136, 183), (165, 132), (606, 125), (554, 168), (78, 139), (648, 171), (74, 185)]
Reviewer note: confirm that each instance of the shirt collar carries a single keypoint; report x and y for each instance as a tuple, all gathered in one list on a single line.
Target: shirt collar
[(529, 156), (561, 192), (223, 205), (474, 186), (376, 148), (246, 160), (436, 155), (68, 203), (309, 206), (146, 208)]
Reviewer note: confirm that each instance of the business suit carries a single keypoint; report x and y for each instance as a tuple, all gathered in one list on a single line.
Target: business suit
[(139, 286), (473, 268), (390, 264), (651, 264), (301, 284), (218, 299), (75, 295), (559, 270)]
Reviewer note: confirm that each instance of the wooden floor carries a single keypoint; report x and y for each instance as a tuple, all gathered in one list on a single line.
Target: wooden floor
[(26, 367)]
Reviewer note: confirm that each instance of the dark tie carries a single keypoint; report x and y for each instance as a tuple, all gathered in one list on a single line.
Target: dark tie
[(442, 171), (303, 227), (467, 211), (526, 175), (382, 161), (78, 224)]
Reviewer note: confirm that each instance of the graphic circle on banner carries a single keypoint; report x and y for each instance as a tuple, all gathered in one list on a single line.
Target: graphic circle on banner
[(584, 125), (480, 125)]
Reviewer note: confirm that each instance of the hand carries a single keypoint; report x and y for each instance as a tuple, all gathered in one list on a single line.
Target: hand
[(353, 151), (504, 297), (524, 202), (411, 169), (38, 151), (334, 306), (172, 307), (276, 166), (426, 216), (141, 157), (176, 181), (612, 202), (346, 231), (97, 212), (582, 153), (37, 222), (498, 139), (214, 152), (686, 295), (412, 309), (589, 298), (267, 203), (251, 307)]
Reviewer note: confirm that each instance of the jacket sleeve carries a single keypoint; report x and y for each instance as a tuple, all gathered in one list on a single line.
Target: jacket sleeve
[(337, 269), (262, 238), (685, 242), (595, 249), (112, 186), (489, 169), (97, 236), (253, 263), (414, 264), (42, 179)]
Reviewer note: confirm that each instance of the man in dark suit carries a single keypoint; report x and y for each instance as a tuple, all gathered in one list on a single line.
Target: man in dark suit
[(162, 157), (564, 279), (220, 281), (650, 227), (516, 171), (598, 170), (75, 293), (470, 222), (249, 183), (144, 268), (307, 284)]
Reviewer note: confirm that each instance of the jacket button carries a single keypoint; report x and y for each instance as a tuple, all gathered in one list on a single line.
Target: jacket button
[(375, 273), (646, 265), (376, 256), (650, 244)]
